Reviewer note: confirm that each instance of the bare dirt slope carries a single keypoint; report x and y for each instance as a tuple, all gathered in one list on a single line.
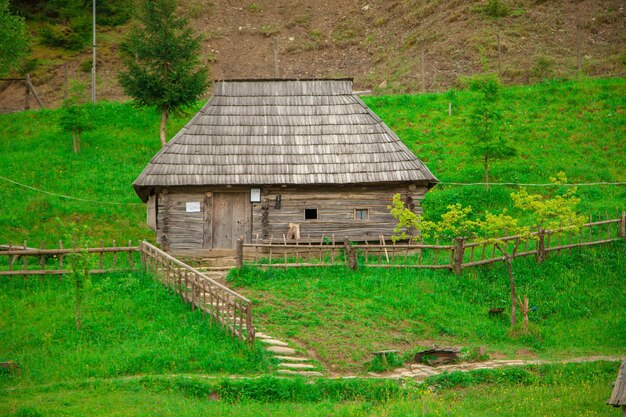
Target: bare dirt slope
[(390, 45)]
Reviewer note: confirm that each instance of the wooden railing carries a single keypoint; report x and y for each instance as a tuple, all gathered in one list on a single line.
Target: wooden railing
[(222, 305), (456, 254), (22, 260)]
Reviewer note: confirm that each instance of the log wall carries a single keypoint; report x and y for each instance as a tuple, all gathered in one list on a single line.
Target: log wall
[(280, 206), (177, 228), (335, 210)]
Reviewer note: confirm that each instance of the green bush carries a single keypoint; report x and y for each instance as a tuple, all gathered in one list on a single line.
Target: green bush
[(496, 8), (543, 68), (73, 35), (508, 376), (85, 66), (392, 361), (272, 389)]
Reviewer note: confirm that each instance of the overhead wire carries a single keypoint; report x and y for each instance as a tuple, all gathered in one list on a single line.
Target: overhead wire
[(463, 184), (583, 184), (65, 196)]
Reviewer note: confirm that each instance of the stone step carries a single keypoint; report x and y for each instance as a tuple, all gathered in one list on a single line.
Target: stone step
[(260, 335), (291, 359), (273, 342), (219, 263), (219, 278), (281, 349), (216, 269), (299, 373), (296, 365)]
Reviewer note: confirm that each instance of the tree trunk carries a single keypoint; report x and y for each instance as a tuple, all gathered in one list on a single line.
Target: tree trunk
[(74, 140), (164, 117), (487, 172), (525, 310), (509, 264), (78, 142), (77, 303)]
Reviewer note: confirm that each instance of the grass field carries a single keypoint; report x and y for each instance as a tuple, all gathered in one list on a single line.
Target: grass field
[(142, 352), (131, 325), (577, 301), (574, 126), (567, 390)]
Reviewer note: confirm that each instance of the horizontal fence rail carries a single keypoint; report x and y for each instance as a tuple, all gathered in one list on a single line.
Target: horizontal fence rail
[(221, 304), (459, 253), (21, 260)]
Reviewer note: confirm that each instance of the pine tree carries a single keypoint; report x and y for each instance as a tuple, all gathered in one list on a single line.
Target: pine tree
[(13, 42), (161, 57)]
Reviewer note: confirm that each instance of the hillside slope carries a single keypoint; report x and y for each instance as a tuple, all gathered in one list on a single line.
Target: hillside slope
[(391, 45), (575, 127)]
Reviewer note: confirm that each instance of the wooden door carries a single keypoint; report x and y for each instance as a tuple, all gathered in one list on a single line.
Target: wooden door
[(231, 219)]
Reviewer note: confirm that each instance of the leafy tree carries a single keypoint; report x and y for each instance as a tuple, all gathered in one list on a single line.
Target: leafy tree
[(161, 58), (75, 115), (79, 264), (487, 140), (13, 42), (555, 212)]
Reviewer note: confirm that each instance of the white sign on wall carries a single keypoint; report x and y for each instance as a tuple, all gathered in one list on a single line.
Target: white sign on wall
[(255, 195), (193, 207)]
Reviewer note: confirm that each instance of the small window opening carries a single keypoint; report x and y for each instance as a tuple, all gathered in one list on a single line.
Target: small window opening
[(361, 214), (310, 214)]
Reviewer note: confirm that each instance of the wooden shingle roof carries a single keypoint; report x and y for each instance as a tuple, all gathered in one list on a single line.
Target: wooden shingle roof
[(263, 132)]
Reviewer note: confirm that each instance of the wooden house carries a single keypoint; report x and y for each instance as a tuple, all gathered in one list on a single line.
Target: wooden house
[(264, 155)]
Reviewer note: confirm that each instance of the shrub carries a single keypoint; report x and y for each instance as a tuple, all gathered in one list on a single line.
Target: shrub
[(543, 68), (377, 364), (85, 66), (272, 389), (496, 8), (73, 35), (270, 30), (513, 375), (253, 7)]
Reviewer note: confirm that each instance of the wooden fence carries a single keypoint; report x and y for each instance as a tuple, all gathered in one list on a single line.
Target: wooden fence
[(455, 255), (22, 260), (222, 305)]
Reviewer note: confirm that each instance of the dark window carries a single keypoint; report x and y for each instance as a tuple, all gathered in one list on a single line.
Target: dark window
[(310, 214), (361, 214)]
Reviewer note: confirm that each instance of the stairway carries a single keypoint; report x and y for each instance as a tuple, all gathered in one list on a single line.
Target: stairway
[(291, 362), (215, 266)]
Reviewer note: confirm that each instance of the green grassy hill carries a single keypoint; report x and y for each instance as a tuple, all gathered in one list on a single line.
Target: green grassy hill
[(576, 304), (575, 127), (142, 352), (130, 325)]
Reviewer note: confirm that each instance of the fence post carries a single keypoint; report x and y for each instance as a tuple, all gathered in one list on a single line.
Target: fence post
[(459, 249), (249, 328), (622, 232), (27, 93), (192, 285), (239, 253), (541, 246), (350, 254)]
